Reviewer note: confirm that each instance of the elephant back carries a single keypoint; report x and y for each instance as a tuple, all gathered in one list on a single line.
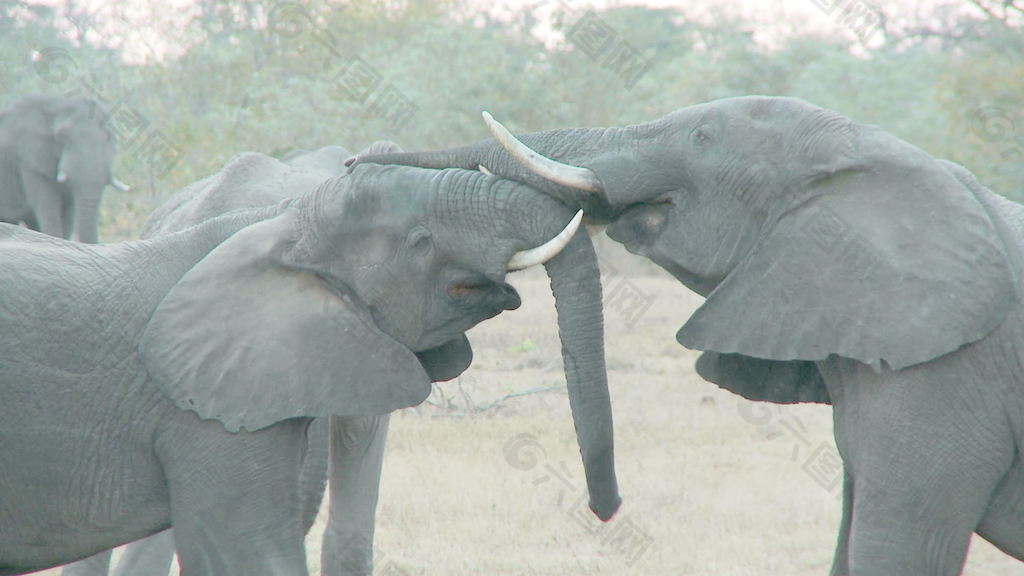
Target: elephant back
[(329, 160), (248, 180), (100, 301)]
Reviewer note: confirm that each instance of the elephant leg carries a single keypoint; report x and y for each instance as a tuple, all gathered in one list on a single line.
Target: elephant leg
[(68, 218), (924, 451), (235, 502), (313, 474), (919, 493), (357, 455), (1003, 524), (150, 556), (96, 565), (47, 203), (889, 539), (840, 562)]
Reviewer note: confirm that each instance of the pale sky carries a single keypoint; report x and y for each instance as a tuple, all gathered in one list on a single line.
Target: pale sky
[(145, 29)]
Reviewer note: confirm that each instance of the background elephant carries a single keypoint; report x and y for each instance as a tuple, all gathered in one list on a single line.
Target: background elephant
[(357, 450), (186, 368), (55, 160), (839, 264)]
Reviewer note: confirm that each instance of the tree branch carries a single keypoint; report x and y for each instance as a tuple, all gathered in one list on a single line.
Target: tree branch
[(499, 401)]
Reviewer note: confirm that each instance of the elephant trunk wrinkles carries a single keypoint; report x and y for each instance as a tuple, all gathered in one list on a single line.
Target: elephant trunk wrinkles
[(576, 285)]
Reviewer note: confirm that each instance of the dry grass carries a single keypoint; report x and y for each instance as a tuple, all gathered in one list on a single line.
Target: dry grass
[(712, 484)]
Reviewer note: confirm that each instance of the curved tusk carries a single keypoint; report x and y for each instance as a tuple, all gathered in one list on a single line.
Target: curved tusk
[(553, 170), (547, 250), (62, 176), (484, 169), (119, 185)]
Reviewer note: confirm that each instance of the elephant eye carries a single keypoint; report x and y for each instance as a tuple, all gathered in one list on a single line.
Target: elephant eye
[(419, 241), (663, 200), (701, 136)]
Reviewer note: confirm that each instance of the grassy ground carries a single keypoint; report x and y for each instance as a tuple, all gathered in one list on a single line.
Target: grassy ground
[(476, 483)]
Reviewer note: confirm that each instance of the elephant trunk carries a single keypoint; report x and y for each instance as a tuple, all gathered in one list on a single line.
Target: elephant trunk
[(573, 146), (576, 285), (87, 208)]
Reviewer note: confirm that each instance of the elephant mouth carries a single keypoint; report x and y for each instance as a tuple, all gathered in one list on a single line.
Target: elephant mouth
[(483, 294), (474, 302), (639, 227)]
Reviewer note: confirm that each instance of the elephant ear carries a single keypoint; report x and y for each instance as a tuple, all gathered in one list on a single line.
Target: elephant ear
[(779, 381), (248, 339), (897, 262)]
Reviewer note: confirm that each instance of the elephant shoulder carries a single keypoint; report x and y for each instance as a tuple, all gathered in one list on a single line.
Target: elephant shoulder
[(165, 218), (1006, 215), (81, 288), (779, 381)]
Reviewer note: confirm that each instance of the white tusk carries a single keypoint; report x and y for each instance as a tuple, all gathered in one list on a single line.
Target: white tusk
[(553, 170), (547, 250), (120, 185), (484, 169), (62, 176)]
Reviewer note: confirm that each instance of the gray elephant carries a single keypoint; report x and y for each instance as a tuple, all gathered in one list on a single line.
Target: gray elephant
[(840, 265), (357, 449), (184, 370), (55, 160)]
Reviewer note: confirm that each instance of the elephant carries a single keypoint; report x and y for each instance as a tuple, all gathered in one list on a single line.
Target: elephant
[(357, 450), (172, 381), (839, 265), (56, 155)]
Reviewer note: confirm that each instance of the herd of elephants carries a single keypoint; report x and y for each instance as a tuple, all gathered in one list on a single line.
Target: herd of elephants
[(216, 374)]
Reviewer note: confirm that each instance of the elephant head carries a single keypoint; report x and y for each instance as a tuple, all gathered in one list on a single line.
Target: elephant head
[(372, 278), (85, 150), (809, 234), (64, 151)]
